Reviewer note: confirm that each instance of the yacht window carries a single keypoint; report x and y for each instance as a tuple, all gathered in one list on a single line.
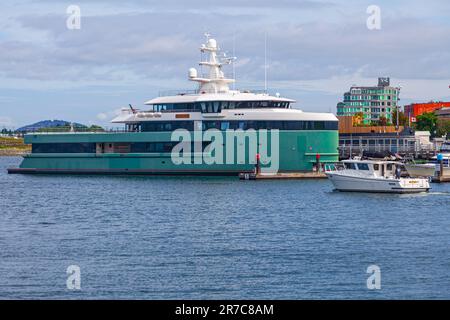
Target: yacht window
[(350, 166), (363, 166), (232, 105), (224, 125), (376, 167), (389, 166), (216, 105)]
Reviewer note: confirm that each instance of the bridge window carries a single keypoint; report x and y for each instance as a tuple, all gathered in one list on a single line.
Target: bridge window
[(176, 107), (217, 106), (149, 126), (363, 166), (350, 166), (225, 125), (63, 147)]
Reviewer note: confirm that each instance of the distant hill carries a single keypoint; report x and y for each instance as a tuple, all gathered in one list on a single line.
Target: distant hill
[(50, 124)]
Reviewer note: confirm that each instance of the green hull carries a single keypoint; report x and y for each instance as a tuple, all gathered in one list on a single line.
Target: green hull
[(297, 152)]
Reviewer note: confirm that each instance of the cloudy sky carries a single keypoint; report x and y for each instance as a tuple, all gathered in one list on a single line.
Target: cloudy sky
[(127, 53)]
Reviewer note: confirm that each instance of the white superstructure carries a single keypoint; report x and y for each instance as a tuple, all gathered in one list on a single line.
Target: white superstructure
[(213, 99)]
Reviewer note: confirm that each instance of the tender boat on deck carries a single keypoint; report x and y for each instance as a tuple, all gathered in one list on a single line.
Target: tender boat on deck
[(373, 176)]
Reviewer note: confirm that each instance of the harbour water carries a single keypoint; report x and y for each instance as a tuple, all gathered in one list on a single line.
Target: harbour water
[(141, 237)]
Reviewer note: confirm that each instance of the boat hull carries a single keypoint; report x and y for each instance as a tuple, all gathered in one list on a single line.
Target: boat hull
[(424, 170), (297, 153), (420, 170), (361, 184)]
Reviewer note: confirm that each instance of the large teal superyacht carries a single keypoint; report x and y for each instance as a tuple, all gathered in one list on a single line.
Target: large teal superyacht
[(214, 130)]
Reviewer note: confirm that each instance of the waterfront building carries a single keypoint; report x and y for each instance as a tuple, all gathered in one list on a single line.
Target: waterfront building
[(197, 125), (355, 139), (416, 109), (443, 113), (372, 102)]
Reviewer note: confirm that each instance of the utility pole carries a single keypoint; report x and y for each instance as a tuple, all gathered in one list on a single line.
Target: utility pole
[(265, 62), (397, 122), (398, 106)]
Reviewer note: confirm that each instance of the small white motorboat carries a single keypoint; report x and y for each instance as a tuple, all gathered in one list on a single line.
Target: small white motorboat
[(420, 169), (428, 169), (373, 176)]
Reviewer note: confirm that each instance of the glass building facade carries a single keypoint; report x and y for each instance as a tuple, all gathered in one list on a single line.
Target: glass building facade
[(372, 102)]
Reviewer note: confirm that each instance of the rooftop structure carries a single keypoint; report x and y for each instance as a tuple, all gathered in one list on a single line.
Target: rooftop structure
[(416, 109)]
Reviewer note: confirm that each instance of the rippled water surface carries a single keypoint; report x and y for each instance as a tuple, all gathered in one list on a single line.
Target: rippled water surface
[(143, 237)]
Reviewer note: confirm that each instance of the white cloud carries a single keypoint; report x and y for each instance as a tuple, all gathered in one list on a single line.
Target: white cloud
[(102, 116), (132, 50), (420, 90), (108, 115)]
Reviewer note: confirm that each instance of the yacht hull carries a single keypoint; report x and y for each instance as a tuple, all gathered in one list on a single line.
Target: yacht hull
[(294, 155), (362, 184)]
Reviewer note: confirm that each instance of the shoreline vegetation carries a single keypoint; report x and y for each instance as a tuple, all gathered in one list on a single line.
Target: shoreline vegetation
[(11, 146)]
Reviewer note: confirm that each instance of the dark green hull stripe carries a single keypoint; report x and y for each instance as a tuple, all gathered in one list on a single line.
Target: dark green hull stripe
[(124, 171)]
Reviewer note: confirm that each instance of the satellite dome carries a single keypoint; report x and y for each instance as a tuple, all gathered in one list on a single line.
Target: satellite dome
[(212, 43), (192, 73)]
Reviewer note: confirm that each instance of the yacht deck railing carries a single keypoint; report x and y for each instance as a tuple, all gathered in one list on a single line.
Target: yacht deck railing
[(166, 93)]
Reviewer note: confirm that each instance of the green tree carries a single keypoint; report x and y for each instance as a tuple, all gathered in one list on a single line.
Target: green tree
[(427, 122), (443, 127), (402, 118), (358, 118), (95, 127), (382, 121)]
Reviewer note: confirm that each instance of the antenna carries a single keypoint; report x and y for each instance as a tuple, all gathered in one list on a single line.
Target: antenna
[(234, 55), (265, 62)]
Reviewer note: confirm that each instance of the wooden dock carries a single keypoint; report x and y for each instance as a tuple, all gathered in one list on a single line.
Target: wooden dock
[(279, 176)]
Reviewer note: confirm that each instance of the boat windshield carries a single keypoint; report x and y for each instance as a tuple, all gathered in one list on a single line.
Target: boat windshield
[(350, 166), (363, 166)]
